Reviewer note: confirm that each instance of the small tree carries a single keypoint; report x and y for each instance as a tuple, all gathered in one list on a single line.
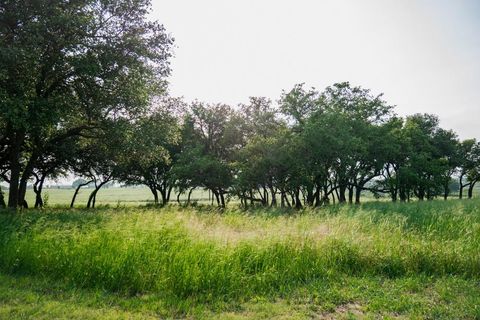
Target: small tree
[(152, 147), (101, 158)]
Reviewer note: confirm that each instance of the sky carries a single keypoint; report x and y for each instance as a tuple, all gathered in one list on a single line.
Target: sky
[(423, 55)]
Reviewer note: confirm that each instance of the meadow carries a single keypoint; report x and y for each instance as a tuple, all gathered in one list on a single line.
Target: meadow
[(113, 196), (377, 260)]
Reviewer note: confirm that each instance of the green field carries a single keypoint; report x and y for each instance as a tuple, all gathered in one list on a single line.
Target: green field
[(129, 196), (378, 260), (133, 196)]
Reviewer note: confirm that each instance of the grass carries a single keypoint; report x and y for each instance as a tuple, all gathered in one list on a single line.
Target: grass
[(129, 196), (135, 196), (417, 260)]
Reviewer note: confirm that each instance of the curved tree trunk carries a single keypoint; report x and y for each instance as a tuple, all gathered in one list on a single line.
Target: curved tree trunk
[(37, 188), (222, 199), (77, 190), (274, 197), (189, 196), (27, 173), (178, 196), (169, 193), (155, 194), (93, 196)]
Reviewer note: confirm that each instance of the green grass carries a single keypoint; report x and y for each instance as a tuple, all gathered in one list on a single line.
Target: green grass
[(417, 260), (130, 196), (135, 196)]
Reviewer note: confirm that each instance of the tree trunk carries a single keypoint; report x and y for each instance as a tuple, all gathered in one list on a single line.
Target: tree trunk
[(298, 203), (178, 197), (358, 193), (76, 192), (90, 198), (170, 188), (27, 173), (163, 193), (155, 194), (310, 196), (189, 196), (265, 196), (403, 194), (37, 188), (350, 194), (216, 197), (222, 199), (14, 179), (317, 197), (470, 189), (325, 198), (262, 196), (341, 193), (15, 169), (421, 194), (93, 196), (274, 197), (462, 186), (2, 199)]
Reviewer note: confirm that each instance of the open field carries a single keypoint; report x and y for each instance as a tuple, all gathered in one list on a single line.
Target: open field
[(416, 260), (129, 196), (135, 196)]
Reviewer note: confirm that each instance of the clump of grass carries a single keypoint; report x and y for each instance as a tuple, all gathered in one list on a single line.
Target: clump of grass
[(211, 256)]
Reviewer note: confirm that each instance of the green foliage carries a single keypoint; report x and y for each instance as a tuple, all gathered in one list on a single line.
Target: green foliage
[(66, 68)]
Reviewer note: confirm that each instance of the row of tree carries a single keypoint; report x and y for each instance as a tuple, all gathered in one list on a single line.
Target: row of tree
[(82, 90), (313, 149)]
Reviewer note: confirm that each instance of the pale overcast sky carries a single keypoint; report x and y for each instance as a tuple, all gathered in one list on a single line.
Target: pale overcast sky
[(423, 55)]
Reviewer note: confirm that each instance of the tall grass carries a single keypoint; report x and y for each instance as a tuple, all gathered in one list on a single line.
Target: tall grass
[(207, 255)]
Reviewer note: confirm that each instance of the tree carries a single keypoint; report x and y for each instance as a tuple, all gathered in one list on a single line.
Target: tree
[(211, 136), (100, 159), (469, 168), (344, 141), (2, 200), (447, 151), (299, 103), (152, 149), (65, 66), (257, 163)]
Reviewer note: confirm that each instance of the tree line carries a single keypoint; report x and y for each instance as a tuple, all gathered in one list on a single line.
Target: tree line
[(83, 90)]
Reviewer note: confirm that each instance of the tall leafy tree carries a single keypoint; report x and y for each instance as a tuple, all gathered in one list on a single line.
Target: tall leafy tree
[(212, 134), (152, 147), (65, 66)]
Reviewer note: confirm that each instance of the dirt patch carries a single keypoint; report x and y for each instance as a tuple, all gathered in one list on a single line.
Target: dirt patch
[(344, 311)]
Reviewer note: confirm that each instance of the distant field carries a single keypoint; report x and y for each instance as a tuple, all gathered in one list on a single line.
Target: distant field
[(416, 260), (109, 196), (134, 196)]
